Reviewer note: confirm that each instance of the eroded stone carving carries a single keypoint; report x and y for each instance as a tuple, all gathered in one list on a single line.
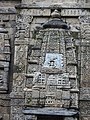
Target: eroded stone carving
[(53, 60), (85, 19), (4, 60)]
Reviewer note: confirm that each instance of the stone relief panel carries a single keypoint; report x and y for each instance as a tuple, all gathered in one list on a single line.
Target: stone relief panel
[(39, 78), (30, 117), (20, 62), (20, 57), (53, 60), (72, 70), (84, 93), (70, 118), (4, 62), (45, 90), (85, 19), (17, 116), (74, 100), (49, 49), (51, 88), (22, 28), (85, 108), (85, 55), (3, 79)]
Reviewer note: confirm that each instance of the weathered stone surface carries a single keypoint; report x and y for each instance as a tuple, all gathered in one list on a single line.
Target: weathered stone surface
[(6, 117), (24, 44), (85, 108), (17, 116), (70, 118), (84, 93), (19, 102)]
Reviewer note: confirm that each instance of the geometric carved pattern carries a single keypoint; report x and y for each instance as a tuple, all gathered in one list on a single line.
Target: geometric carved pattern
[(20, 57), (44, 76), (18, 79), (85, 108), (44, 90), (4, 62)]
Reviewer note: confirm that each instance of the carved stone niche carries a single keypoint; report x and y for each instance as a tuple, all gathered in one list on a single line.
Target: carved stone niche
[(53, 63)]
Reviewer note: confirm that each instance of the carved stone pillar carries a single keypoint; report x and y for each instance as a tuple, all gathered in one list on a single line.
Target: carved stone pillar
[(85, 70), (20, 62)]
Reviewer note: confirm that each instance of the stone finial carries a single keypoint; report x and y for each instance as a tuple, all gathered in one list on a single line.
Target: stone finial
[(56, 21), (56, 14)]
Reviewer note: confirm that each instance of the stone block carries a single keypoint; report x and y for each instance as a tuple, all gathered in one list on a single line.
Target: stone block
[(7, 25), (66, 103), (28, 101), (66, 95), (70, 56), (73, 83), (6, 37), (51, 88), (6, 117), (35, 94), (36, 53), (17, 117), (29, 82), (5, 110), (39, 21), (16, 109), (74, 100), (31, 117), (33, 68), (19, 84), (17, 102), (12, 17), (72, 70), (84, 94), (16, 95), (5, 102), (85, 108), (59, 94), (51, 80), (37, 12), (19, 77), (70, 118)]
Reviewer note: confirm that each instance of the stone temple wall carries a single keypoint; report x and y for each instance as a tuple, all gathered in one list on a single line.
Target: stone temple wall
[(85, 70), (7, 36), (23, 55)]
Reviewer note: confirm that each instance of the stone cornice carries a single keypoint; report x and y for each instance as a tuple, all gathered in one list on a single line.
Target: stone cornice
[(7, 10), (53, 6)]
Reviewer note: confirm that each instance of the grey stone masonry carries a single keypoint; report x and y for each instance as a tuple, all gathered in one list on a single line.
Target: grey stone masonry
[(44, 59)]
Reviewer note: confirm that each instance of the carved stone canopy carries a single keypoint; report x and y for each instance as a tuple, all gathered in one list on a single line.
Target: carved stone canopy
[(56, 22)]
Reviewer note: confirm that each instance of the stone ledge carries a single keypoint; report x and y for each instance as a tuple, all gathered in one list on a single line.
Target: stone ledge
[(74, 90), (4, 10), (50, 6), (51, 111)]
